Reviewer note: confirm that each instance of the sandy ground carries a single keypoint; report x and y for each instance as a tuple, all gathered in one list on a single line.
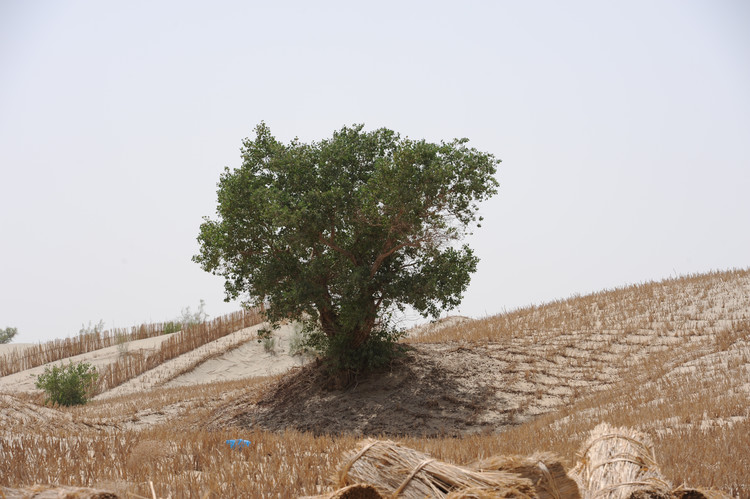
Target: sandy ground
[(24, 381), (572, 350), (236, 356), (247, 360)]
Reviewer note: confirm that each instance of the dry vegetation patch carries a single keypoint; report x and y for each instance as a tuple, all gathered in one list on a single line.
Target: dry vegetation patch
[(669, 359)]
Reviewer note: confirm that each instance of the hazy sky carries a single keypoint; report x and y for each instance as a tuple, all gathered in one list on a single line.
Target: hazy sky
[(624, 130)]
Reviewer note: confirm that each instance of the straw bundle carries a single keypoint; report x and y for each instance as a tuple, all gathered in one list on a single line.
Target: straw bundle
[(55, 492), (481, 493), (398, 471), (545, 470), (356, 491), (683, 493), (619, 463)]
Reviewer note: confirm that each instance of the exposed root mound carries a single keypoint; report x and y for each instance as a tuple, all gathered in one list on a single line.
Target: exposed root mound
[(421, 394)]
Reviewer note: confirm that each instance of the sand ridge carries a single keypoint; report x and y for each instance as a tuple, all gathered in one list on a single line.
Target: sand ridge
[(237, 355), (23, 381)]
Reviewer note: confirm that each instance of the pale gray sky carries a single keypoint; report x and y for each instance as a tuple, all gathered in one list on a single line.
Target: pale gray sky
[(624, 130)]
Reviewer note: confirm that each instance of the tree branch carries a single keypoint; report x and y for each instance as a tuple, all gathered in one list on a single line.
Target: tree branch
[(381, 257), (337, 248)]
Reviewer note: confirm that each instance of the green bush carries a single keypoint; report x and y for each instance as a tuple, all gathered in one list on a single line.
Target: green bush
[(187, 318), (172, 327), (380, 349), (68, 385), (297, 341), (92, 328), (269, 345)]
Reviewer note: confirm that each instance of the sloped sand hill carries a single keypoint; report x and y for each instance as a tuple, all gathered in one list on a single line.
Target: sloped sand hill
[(484, 376), (238, 355)]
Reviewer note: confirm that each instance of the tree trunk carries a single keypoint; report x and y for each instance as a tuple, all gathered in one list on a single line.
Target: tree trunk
[(328, 321), (362, 334)]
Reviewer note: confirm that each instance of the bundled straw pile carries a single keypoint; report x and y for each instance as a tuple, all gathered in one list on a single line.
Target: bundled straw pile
[(398, 471), (619, 463), (356, 491), (545, 471), (614, 463), (682, 493)]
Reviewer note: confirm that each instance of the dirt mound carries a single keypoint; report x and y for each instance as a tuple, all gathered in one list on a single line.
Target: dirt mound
[(425, 393), (437, 389)]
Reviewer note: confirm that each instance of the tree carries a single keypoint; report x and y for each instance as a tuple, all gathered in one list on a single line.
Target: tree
[(7, 334), (340, 233)]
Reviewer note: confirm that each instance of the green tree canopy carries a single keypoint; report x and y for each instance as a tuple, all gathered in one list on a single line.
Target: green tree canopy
[(342, 231)]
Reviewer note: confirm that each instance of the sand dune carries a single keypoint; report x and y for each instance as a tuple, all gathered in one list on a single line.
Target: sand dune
[(24, 381), (235, 356)]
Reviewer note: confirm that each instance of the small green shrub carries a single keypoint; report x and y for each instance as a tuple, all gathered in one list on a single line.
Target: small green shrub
[(122, 344), (187, 318), (91, 328), (68, 385), (269, 344), (172, 327), (297, 341)]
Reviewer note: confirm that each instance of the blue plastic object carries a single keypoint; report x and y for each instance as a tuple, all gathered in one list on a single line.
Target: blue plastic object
[(239, 443)]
